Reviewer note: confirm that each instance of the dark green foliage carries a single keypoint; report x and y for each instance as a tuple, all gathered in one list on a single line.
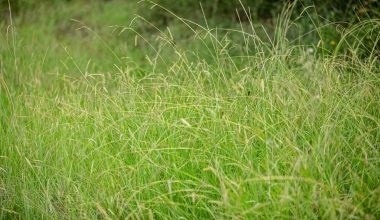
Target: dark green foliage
[(229, 10), (331, 16), (241, 10), (20, 5), (346, 10), (226, 10)]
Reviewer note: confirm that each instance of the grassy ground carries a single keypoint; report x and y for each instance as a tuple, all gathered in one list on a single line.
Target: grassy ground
[(98, 123)]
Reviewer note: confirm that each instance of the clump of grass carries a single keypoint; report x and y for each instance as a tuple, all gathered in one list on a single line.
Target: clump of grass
[(258, 128)]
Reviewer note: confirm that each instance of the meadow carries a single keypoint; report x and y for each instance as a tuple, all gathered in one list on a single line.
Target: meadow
[(106, 115)]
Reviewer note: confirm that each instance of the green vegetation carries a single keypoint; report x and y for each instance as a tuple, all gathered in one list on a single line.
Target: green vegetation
[(107, 115)]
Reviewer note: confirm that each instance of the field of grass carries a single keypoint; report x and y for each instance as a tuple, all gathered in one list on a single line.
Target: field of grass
[(101, 119)]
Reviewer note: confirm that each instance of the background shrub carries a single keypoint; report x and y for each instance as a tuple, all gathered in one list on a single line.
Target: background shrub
[(231, 10), (23, 5)]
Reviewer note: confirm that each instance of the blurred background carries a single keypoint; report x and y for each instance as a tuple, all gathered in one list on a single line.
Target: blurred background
[(342, 10), (100, 34)]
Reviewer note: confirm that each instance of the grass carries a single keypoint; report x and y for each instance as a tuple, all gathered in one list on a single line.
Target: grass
[(208, 127)]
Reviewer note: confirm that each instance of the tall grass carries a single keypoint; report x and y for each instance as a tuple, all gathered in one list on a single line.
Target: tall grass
[(224, 125)]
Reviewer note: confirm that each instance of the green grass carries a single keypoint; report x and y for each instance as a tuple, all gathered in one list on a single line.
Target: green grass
[(219, 125)]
